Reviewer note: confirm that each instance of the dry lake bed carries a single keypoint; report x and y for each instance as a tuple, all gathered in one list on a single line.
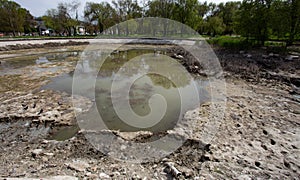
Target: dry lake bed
[(258, 138)]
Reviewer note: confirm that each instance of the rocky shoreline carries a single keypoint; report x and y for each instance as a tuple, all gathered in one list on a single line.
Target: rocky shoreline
[(259, 136)]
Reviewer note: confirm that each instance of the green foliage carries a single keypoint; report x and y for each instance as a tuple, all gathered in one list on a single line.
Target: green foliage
[(215, 26), (228, 12), (261, 19), (256, 20), (62, 19), (253, 20), (14, 18), (101, 13), (238, 43), (161, 8)]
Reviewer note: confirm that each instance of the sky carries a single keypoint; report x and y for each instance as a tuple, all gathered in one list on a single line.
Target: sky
[(39, 7)]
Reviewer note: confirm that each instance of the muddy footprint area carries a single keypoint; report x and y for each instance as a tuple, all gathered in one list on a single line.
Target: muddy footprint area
[(259, 136)]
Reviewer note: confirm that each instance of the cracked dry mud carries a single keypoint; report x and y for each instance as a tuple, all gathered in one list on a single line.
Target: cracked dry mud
[(259, 137)]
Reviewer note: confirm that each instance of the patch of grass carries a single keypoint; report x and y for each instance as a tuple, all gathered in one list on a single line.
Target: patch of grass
[(276, 47), (275, 43), (231, 42), (241, 43)]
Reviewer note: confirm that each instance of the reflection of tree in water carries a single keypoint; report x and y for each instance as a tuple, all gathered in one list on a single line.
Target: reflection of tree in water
[(159, 80), (173, 77), (117, 59)]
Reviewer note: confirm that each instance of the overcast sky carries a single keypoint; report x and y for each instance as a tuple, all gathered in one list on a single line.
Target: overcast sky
[(39, 7)]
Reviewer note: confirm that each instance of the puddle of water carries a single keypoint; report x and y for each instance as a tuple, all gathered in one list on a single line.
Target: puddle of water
[(140, 93), (64, 133), (62, 83), (42, 60), (12, 66)]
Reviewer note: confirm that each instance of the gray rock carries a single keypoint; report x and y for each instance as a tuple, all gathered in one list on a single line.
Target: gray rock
[(244, 177), (104, 176), (36, 152), (292, 57), (78, 165)]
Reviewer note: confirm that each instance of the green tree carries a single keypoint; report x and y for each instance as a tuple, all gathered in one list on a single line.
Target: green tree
[(101, 13), (294, 19), (227, 12), (29, 23), (186, 12), (13, 17), (215, 26), (161, 8), (254, 19), (126, 10), (279, 22), (64, 19)]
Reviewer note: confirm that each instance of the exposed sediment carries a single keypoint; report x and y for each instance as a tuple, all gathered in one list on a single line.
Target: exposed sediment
[(44, 45), (257, 138)]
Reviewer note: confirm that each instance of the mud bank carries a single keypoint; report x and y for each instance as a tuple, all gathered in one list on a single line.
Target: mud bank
[(44, 45)]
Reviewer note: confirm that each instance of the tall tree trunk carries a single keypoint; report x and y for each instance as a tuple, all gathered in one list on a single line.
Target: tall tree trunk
[(294, 19), (12, 26), (127, 28)]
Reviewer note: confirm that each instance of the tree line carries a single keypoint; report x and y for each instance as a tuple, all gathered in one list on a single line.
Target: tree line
[(254, 19)]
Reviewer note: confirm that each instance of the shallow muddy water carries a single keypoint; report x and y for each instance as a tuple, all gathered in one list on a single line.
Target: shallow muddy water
[(150, 97), (64, 133), (114, 98), (14, 65)]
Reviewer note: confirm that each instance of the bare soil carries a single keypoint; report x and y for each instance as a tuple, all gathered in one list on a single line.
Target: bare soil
[(259, 137)]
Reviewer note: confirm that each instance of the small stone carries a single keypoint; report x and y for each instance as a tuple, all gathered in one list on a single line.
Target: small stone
[(94, 169), (27, 124), (166, 160), (291, 57), (248, 56), (49, 154), (45, 159), (91, 176), (265, 56), (61, 177), (116, 173), (123, 147), (244, 177), (187, 172), (104, 176), (135, 176), (79, 166), (36, 152)]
